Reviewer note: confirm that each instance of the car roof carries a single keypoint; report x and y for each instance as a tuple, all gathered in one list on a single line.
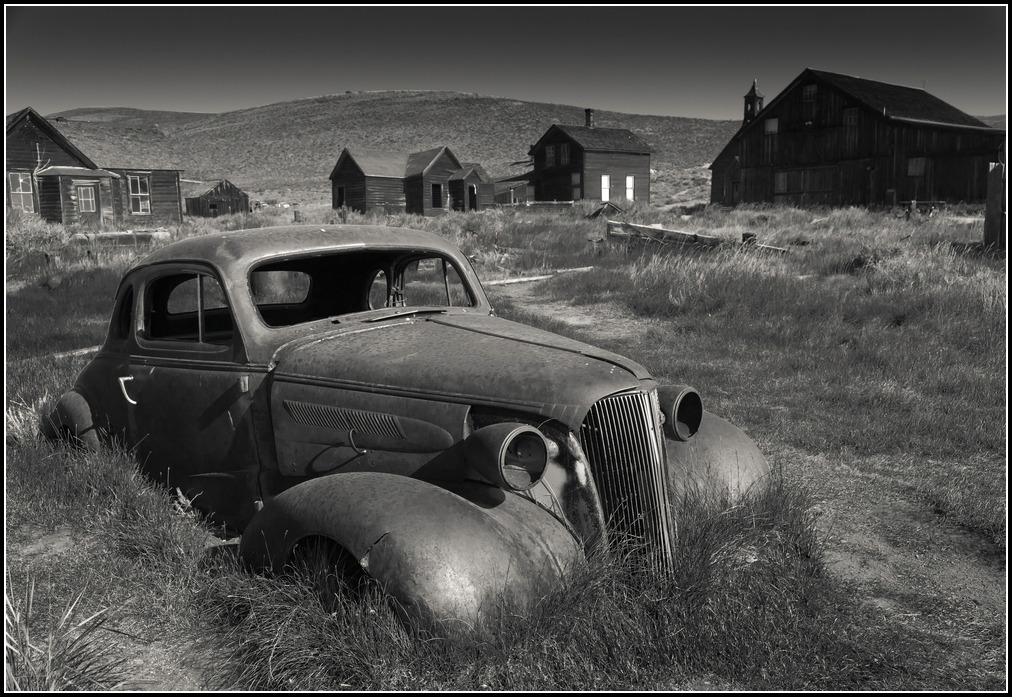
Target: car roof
[(241, 249)]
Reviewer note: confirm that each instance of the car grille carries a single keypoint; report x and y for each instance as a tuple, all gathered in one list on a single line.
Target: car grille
[(622, 440)]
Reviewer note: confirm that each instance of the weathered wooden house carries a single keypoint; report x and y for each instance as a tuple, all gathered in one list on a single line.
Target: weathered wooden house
[(587, 162), (224, 198), (831, 139), (515, 189), (471, 189), (417, 183), (47, 169), (49, 175)]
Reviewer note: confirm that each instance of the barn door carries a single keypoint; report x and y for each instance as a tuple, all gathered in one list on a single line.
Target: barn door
[(472, 198)]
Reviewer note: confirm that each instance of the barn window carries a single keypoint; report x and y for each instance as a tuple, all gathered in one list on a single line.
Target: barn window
[(605, 187), (771, 126), (630, 187), (437, 195), (916, 166), (21, 191), (564, 154), (86, 199), (809, 93), (140, 194), (549, 155)]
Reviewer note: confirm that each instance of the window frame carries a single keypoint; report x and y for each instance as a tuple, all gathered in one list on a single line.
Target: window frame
[(87, 204), (141, 198), (20, 193)]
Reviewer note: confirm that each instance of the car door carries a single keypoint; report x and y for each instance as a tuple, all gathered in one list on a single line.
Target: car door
[(187, 389)]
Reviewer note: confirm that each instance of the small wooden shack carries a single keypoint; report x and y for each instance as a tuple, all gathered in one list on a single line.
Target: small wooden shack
[(471, 189), (224, 198)]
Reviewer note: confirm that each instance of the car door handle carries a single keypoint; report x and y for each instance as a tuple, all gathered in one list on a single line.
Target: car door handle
[(122, 386)]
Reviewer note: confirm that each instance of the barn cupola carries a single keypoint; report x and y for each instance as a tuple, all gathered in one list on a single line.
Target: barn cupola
[(753, 103), (590, 117)]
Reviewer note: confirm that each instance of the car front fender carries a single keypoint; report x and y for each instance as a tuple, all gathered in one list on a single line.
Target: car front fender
[(719, 458), (448, 557)]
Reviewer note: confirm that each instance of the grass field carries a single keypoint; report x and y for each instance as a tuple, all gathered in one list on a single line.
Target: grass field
[(868, 362)]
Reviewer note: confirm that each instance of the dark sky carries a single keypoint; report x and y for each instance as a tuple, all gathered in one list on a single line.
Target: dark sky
[(674, 61)]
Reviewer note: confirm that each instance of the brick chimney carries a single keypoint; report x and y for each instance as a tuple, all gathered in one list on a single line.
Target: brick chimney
[(590, 117)]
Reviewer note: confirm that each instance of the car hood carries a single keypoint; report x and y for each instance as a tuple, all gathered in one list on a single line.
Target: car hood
[(464, 358)]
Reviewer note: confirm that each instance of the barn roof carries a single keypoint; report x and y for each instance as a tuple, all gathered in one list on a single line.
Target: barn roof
[(600, 139), (897, 101), (122, 147), (14, 120)]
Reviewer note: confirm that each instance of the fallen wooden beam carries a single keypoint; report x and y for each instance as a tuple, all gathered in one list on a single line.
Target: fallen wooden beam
[(631, 231)]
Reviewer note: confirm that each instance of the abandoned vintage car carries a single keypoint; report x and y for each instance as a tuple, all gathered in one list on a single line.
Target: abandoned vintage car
[(352, 385)]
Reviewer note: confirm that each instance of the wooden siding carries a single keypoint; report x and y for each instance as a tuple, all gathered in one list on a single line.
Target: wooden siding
[(460, 199), (22, 154), (834, 150), (418, 189), (164, 196), (364, 193), (618, 166)]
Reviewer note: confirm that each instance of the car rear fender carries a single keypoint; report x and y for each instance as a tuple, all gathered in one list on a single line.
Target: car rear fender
[(72, 417), (719, 458), (448, 557)]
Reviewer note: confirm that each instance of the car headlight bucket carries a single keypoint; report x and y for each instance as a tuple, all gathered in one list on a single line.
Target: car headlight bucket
[(510, 455), (682, 408)]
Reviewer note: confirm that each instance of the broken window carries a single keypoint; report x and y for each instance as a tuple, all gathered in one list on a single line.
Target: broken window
[(188, 307), (20, 184)]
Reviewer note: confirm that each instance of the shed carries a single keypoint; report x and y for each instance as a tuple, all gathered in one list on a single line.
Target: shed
[(471, 189), (224, 198)]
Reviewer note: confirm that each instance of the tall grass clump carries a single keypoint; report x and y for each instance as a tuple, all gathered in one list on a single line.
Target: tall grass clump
[(27, 233), (748, 602), (66, 654)]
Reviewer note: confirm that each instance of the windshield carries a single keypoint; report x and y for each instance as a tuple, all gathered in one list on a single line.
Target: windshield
[(295, 291)]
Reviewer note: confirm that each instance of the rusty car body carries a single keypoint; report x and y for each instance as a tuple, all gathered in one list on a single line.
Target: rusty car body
[(352, 384)]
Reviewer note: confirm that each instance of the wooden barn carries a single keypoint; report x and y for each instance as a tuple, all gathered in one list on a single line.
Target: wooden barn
[(471, 189), (224, 198), (49, 175), (514, 190), (419, 183), (831, 139), (587, 162)]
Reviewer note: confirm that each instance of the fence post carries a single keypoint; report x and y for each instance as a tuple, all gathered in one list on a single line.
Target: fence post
[(994, 210)]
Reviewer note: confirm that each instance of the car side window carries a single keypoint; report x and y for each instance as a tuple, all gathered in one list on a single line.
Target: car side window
[(188, 307), (432, 281)]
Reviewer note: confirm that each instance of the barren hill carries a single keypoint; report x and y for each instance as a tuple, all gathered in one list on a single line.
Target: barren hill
[(293, 146)]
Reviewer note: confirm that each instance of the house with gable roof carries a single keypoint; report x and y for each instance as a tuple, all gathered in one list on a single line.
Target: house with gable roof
[(425, 183), (832, 139), (48, 173), (589, 162)]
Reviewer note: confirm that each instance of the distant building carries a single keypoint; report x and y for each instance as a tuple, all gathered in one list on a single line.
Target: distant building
[(831, 139), (425, 183), (224, 198), (587, 162)]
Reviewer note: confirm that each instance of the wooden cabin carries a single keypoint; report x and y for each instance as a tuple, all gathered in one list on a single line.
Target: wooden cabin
[(49, 175), (224, 198), (419, 183), (831, 139), (587, 162)]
